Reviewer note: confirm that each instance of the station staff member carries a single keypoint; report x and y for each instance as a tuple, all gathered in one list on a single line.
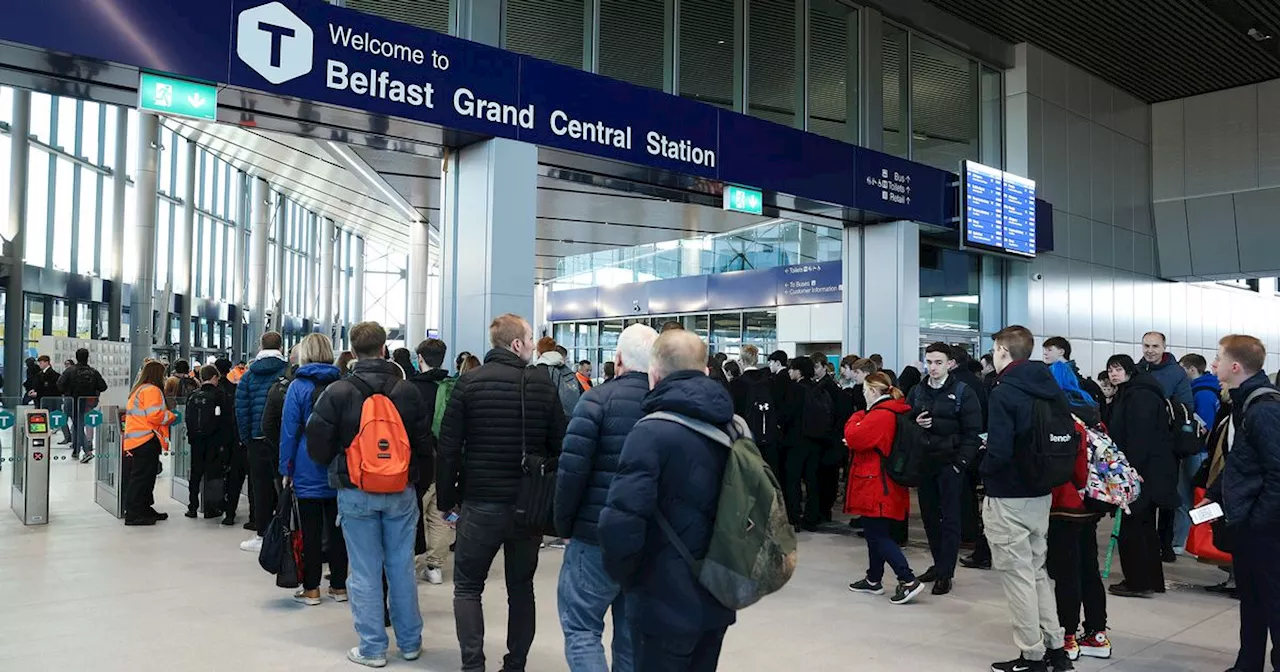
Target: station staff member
[(146, 434)]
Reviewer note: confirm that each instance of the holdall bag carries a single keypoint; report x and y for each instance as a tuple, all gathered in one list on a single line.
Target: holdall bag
[(290, 575), (274, 538), (536, 498)]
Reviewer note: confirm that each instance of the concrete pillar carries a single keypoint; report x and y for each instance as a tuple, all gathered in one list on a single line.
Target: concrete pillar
[(882, 291), (260, 222), (146, 209), (339, 273), (326, 276), (488, 209), (416, 316), (15, 309), (119, 192), (357, 280), (281, 281), (184, 270)]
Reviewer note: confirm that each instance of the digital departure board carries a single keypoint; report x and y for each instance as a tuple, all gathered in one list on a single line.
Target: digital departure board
[(999, 210)]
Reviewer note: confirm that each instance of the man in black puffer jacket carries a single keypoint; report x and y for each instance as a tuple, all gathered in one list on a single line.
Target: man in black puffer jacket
[(600, 425), (670, 471), (268, 367), (496, 413)]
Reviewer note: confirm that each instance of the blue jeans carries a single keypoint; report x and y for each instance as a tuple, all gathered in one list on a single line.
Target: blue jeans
[(379, 531), (882, 548), (1186, 491), (585, 593)]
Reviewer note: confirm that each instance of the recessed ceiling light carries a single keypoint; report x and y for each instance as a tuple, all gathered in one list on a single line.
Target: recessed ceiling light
[(1258, 35)]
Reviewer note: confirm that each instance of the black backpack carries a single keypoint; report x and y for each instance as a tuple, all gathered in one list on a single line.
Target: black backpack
[(761, 416), (1188, 439), (84, 383), (910, 452), (202, 414), (1046, 455), (818, 413)]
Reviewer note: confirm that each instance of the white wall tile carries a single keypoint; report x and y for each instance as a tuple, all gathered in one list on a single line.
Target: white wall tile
[(1167, 139), (794, 323), (1124, 310), (826, 323), (1054, 79), (1104, 305), (1080, 300), (1080, 137), (1078, 86), (1143, 318)]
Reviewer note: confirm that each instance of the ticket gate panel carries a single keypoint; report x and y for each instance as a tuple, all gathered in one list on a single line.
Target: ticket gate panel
[(108, 489), (29, 492)]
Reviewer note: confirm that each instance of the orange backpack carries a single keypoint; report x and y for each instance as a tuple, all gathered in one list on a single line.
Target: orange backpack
[(378, 458)]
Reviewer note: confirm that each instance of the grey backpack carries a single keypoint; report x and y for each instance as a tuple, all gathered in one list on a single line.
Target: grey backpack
[(566, 386)]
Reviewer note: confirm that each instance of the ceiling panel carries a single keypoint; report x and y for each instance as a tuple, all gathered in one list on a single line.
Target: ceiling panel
[(1154, 50)]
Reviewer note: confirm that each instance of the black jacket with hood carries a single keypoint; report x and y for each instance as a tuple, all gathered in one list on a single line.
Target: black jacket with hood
[(954, 436), (335, 420), (1139, 424), (1009, 426)]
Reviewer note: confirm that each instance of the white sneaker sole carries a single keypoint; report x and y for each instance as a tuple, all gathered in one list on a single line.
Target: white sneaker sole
[(1099, 654), (862, 591), (354, 656), (911, 595)]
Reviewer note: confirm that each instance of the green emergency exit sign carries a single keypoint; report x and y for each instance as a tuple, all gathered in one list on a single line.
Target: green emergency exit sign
[(742, 199), (168, 95)]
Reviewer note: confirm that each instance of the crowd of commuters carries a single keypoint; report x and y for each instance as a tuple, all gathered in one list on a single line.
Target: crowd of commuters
[(631, 500)]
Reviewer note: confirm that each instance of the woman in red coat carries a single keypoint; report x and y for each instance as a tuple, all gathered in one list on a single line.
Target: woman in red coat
[(872, 494)]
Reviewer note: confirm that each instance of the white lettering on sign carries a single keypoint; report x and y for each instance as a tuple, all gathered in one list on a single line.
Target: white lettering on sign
[(679, 150), (596, 132), (466, 104), (345, 37), (378, 84)]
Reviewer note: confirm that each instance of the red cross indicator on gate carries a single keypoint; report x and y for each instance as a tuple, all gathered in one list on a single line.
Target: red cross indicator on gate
[(37, 456)]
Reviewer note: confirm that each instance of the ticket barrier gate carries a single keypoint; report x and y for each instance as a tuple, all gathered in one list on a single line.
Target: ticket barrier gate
[(108, 488), (29, 492)]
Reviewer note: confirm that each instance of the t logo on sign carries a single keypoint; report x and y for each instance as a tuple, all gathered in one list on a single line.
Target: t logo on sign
[(273, 41)]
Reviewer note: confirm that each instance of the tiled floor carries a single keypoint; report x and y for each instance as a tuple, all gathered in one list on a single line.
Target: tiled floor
[(85, 593)]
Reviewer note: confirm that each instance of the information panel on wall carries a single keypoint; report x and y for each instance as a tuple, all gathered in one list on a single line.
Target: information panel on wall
[(998, 210)]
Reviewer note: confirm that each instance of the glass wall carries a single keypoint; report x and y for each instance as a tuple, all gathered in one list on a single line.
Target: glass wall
[(633, 42), (708, 43), (780, 242), (773, 86), (597, 340), (833, 81)]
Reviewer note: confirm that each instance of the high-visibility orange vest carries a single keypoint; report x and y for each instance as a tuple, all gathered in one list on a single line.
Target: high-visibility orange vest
[(584, 381), (147, 416), (234, 375)]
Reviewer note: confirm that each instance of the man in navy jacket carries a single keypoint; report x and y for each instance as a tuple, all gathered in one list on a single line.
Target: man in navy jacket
[(251, 402), (671, 471), (1016, 514), (1249, 491), (588, 462)]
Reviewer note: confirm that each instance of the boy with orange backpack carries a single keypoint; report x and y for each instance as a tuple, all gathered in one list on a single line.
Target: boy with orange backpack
[(373, 434)]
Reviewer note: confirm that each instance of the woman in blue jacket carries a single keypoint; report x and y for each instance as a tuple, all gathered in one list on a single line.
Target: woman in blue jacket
[(317, 501)]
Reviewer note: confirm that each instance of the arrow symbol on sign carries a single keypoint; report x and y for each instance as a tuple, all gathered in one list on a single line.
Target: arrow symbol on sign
[(196, 100)]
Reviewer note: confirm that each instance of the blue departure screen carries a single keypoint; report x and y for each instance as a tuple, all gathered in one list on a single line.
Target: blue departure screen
[(999, 210)]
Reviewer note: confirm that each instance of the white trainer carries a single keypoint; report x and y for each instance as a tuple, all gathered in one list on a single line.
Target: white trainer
[(252, 545)]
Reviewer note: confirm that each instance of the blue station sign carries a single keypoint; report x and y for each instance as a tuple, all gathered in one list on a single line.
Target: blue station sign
[(315, 51)]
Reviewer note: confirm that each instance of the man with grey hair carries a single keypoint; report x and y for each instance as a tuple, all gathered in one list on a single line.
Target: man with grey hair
[(668, 486), (601, 422)]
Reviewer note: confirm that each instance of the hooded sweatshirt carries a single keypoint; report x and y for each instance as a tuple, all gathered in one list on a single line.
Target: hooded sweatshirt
[(1172, 379), (1009, 424), (1206, 391)]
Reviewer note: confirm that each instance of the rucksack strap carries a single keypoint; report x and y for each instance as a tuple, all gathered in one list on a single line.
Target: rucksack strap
[(1254, 396), (706, 429), (676, 541), (959, 393)]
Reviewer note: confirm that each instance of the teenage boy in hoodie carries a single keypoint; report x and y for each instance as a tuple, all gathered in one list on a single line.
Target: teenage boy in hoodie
[(1016, 515), (251, 402), (1207, 394), (1058, 349), (435, 532)]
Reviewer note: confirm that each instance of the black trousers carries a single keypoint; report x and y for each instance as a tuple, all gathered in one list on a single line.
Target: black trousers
[(264, 481), (941, 499), (317, 518), (772, 454), (1073, 565), (682, 653), (484, 528), (140, 466), (829, 466), (802, 467), (1258, 584), (200, 453), (237, 470), (1139, 548), (971, 511), (1164, 526)]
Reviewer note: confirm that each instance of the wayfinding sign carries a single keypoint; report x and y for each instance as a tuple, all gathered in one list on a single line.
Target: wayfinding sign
[(178, 97), (742, 199)]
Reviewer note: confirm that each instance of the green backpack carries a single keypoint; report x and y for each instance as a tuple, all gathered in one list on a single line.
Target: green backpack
[(444, 390), (753, 546)]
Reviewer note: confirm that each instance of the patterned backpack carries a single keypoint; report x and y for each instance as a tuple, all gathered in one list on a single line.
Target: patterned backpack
[(1112, 480)]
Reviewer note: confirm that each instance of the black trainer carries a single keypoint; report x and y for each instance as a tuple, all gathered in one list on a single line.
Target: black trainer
[(191, 512), (865, 586), (1020, 665), (907, 591), (147, 520), (1057, 660), (229, 519), (942, 586), (974, 562), (930, 575)]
